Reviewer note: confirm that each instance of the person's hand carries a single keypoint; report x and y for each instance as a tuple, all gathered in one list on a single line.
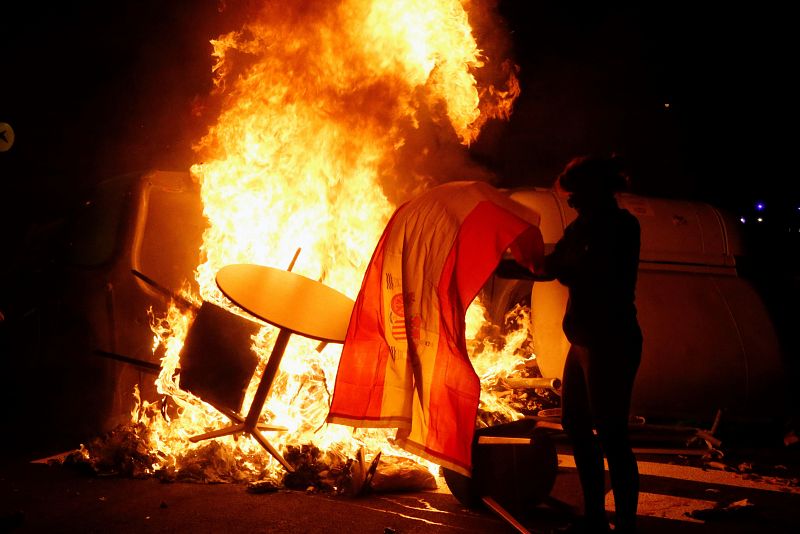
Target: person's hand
[(510, 269)]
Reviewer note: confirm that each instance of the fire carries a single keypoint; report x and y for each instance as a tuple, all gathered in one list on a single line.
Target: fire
[(325, 104)]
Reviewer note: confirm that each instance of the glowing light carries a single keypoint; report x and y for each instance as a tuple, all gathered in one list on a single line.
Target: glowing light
[(760, 206), (317, 106)]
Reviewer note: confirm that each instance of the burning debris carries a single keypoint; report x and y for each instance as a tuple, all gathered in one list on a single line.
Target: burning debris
[(509, 391), (123, 451), (209, 463), (127, 450), (315, 470), (525, 401), (327, 118)]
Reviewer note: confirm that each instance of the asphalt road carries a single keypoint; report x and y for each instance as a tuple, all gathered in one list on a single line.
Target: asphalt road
[(35, 497)]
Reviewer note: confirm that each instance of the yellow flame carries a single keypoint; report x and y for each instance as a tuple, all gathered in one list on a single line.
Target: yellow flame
[(319, 100)]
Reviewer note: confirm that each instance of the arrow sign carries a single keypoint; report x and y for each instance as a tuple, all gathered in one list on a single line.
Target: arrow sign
[(6, 136)]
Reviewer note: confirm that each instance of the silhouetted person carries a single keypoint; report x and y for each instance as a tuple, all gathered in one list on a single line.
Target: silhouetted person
[(597, 259)]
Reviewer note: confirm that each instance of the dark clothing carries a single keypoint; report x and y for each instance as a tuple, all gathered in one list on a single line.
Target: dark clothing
[(597, 259), (596, 393)]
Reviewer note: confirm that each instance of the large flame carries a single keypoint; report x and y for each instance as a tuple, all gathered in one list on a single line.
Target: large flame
[(322, 101)]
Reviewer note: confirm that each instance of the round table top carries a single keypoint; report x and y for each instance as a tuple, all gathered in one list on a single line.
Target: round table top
[(288, 300)]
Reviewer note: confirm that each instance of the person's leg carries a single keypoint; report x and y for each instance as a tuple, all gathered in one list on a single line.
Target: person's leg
[(610, 379), (576, 417)]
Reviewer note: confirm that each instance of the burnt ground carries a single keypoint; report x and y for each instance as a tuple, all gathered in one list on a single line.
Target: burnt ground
[(748, 489)]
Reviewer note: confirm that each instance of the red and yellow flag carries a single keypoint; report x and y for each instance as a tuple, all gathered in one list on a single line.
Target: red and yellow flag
[(404, 363)]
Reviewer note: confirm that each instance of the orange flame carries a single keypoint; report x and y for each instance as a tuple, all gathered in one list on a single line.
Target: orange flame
[(321, 102)]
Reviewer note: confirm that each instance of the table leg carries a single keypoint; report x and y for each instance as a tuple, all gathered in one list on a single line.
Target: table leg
[(233, 429), (259, 437), (250, 423), (267, 378)]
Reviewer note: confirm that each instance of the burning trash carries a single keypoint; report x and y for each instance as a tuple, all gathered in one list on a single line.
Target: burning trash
[(331, 114), (122, 451), (405, 365)]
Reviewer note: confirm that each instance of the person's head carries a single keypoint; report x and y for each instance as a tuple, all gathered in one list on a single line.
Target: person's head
[(592, 180)]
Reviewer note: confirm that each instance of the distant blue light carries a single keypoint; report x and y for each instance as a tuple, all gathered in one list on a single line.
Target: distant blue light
[(759, 206)]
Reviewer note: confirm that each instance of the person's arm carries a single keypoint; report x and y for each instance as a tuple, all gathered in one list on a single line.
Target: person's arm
[(509, 268)]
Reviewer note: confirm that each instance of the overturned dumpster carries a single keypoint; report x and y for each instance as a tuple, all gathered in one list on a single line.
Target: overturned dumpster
[(709, 341)]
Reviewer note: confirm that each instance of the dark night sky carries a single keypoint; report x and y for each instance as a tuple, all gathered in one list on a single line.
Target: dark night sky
[(94, 92), (599, 80)]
